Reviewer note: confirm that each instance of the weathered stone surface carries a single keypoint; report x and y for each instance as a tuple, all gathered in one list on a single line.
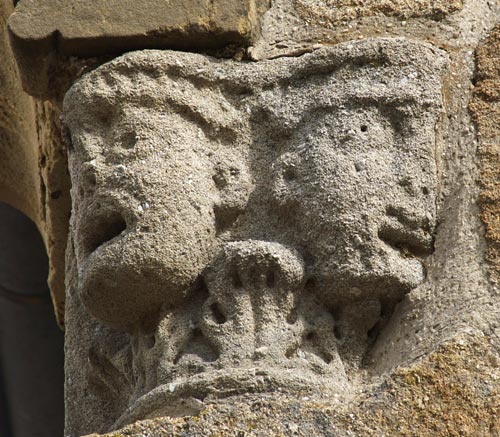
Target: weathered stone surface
[(43, 32), (19, 157), (33, 163), (454, 391), (243, 233), (487, 117), (250, 226), (333, 12), (55, 201), (291, 27)]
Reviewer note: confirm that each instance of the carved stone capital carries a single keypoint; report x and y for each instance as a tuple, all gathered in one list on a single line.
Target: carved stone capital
[(248, 227)]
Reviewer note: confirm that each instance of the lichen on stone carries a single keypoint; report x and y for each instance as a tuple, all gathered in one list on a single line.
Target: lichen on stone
[(454, 391), (486, 115)]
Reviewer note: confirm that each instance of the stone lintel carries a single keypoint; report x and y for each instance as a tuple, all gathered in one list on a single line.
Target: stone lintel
[(43, 32)]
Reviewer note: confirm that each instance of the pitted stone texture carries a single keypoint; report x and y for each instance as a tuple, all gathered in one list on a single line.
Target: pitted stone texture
[(219, 206), (33, 164), (42, 31), (487, 117), (453, 391), (335, 11), (291, 27)]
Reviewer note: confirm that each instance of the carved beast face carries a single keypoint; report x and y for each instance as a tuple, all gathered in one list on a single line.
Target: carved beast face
[(176, 155), (358, 183)]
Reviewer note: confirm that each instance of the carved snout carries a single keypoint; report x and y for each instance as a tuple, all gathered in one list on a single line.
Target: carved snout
[(129, 266)]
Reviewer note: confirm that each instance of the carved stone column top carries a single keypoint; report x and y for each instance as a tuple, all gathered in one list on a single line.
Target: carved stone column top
[(249, 225), (203, 152)]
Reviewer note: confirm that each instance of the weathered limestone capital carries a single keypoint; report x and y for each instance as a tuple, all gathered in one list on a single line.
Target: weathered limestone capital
[(245, 227), (284, 215)]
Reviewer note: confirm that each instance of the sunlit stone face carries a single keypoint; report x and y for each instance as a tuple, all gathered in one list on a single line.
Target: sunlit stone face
[(147, 227), (359, 182)]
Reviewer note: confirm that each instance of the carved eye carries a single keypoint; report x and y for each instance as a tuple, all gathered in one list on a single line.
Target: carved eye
[(128, 140), (223, 177), (363, 128), (234, 172), (220, 180)]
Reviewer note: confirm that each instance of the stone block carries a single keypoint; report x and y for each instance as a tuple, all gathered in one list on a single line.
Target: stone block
[(42, 31), (33, 164), (238, 227)]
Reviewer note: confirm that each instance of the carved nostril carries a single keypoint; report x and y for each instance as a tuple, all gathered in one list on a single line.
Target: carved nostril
[(271, 278), (105, 229), (236, 279), (217, 313)]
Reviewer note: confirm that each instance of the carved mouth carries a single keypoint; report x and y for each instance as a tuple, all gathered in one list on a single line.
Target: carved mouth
[(106, 225), (409, 242)]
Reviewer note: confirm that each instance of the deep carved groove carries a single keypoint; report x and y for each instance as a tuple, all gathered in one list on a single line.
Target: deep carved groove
[(150, 341), (236, 280), (338, 333), (270, 279), (374, 331), (108, 228), (198, 346), (292, 317), (219, 316), (224, 218), (312, 345)]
